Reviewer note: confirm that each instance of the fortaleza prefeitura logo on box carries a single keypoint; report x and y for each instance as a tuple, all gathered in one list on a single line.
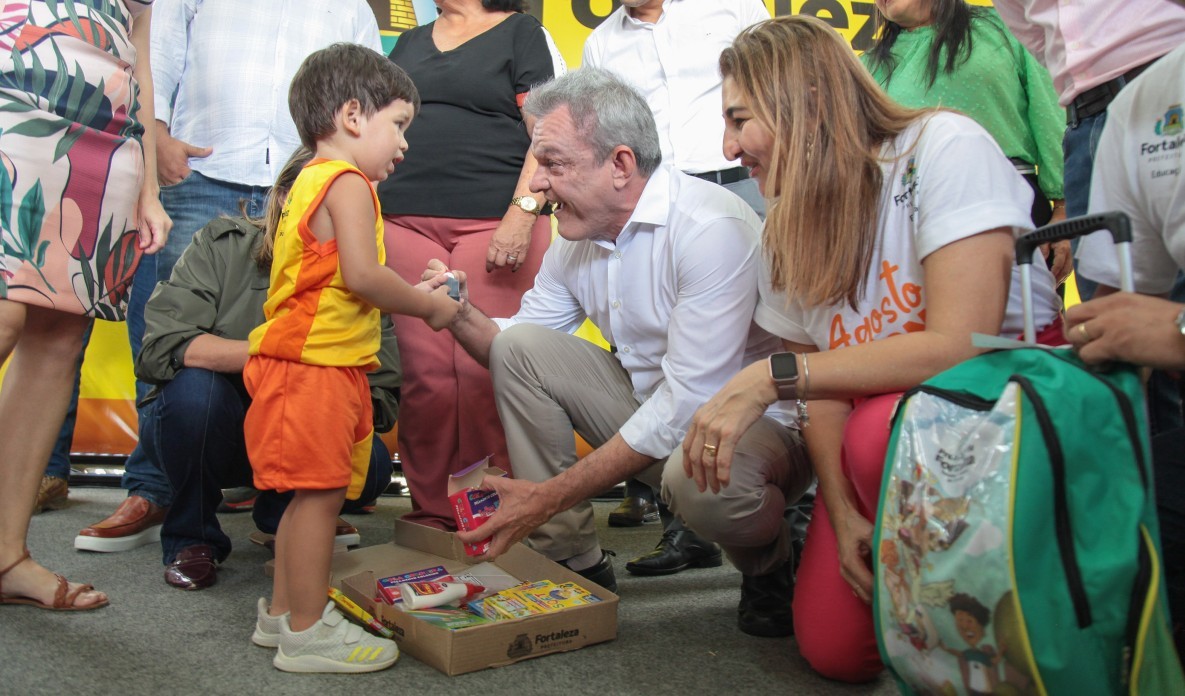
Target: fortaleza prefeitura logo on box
[(522, 645)]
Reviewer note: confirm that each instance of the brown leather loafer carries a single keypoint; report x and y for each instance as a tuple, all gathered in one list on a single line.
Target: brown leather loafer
[(194, 568), (52, 495), (134, 523), (634, 512)]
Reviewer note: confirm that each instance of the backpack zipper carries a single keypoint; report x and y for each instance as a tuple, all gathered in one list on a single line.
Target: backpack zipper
[(1061, 511)]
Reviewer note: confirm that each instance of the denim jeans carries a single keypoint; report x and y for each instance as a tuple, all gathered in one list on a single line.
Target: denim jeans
[(192, 203), (59, 459), (194, 431), (1079, 144)]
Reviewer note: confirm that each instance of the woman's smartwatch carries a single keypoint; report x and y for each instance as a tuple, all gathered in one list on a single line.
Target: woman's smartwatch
[(783, 370)]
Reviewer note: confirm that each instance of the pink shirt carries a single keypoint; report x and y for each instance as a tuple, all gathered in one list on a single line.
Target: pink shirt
[(1085, 43)]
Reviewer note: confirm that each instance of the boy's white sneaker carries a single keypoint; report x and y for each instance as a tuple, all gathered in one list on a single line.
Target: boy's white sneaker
[(267, 627), (333, 644)]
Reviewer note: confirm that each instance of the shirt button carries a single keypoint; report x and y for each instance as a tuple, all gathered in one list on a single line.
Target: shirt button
[(625, 349), (616, 304), (617, 254)]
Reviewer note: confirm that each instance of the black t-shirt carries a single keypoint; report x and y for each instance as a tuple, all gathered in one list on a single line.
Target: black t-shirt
[(467, 145)]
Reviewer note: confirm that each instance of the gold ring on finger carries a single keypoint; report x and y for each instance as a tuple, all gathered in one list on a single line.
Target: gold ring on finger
[(710, 450), (1086, 338)]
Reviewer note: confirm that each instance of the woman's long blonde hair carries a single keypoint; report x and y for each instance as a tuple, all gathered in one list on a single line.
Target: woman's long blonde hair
[(273, 205), (829, 120)]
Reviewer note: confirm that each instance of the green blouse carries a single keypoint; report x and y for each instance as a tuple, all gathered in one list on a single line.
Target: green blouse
[(1000, 85)]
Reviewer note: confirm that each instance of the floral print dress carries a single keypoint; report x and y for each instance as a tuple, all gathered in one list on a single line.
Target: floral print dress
[(72, 155)]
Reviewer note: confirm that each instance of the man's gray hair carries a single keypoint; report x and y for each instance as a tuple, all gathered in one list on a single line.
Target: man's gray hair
[(606, 110)]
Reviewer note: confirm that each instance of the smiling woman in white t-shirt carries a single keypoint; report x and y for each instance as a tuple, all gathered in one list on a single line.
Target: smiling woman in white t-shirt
[(888, 242)]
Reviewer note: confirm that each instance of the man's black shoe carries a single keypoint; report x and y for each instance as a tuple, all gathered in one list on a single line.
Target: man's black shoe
[(634, 512), (765, 607), (678, 550), (600, 572)]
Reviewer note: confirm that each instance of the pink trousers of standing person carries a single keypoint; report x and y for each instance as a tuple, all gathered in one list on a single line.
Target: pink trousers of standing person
[(447, 417)]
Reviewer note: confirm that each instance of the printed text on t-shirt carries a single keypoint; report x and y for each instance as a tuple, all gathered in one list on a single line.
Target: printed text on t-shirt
[(901, 309)]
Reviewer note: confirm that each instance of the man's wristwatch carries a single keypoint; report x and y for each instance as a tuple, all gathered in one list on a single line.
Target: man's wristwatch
[(177, 357), (783, 370), (1181, 322), (527, 204)]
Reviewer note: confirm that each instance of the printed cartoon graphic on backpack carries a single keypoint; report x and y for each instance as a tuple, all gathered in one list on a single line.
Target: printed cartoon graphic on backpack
[(940, 513)]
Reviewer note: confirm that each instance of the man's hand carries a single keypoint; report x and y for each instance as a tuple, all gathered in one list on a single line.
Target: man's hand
[(1124, 326), (511, 241), (1061, 263), (522, 507), (172, 156)]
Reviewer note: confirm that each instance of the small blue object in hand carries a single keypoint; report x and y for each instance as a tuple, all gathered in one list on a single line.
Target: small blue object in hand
[(454, 287)]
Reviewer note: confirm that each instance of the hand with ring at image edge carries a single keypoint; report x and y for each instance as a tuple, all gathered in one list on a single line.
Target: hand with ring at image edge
[(1128, 327), (719, 424), (509, 245)]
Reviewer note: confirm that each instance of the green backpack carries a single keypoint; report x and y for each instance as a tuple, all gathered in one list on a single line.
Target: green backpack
[(1017, 548)]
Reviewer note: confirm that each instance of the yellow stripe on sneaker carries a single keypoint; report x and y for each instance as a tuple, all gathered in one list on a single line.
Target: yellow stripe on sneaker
[(365, 654)]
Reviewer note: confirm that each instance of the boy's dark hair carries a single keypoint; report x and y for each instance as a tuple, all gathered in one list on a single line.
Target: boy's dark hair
[(971, 605), (331, 77)]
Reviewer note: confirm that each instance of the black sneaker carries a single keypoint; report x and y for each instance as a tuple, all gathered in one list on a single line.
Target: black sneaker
[(600, 572), (765, 607)]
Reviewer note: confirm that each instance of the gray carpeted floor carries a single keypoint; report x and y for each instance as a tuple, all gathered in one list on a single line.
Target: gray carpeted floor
[(676, 634)]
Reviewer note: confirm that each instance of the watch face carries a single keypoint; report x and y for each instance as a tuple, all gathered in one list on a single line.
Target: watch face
[(528, 204), (783, 366)]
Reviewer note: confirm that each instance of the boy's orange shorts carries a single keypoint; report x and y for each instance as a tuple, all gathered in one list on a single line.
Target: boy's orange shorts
[(309, 427)]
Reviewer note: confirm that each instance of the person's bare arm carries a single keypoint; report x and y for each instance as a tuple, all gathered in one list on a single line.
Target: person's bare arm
[(215, 353), (154, 221), (349, 204)]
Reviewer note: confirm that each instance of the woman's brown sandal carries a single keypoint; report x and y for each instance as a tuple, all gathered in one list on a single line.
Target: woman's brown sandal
[(63, 599)]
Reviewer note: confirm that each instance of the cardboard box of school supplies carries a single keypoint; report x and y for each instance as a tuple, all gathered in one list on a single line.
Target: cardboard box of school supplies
[(493, 644)]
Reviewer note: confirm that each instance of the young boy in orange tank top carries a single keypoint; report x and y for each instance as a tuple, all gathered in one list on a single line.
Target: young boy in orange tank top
[(309, 425)]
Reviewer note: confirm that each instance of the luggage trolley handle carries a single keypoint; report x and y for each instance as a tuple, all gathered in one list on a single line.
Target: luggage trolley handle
[(1116, 223)]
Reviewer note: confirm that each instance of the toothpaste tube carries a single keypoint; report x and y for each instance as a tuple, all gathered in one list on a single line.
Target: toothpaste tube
[(388, 588), (471, 508), (424, 595)]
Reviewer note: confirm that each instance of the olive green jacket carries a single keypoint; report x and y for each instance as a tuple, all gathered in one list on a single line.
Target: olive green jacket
[(217, 288)]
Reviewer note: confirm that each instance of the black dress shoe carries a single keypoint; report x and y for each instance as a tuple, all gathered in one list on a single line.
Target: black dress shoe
[(600, 572), (194, 568), (678, 550), (765, 606), (634, 512)]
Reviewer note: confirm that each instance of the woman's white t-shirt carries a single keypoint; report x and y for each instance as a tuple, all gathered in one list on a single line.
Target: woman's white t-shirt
[(945, 179)]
